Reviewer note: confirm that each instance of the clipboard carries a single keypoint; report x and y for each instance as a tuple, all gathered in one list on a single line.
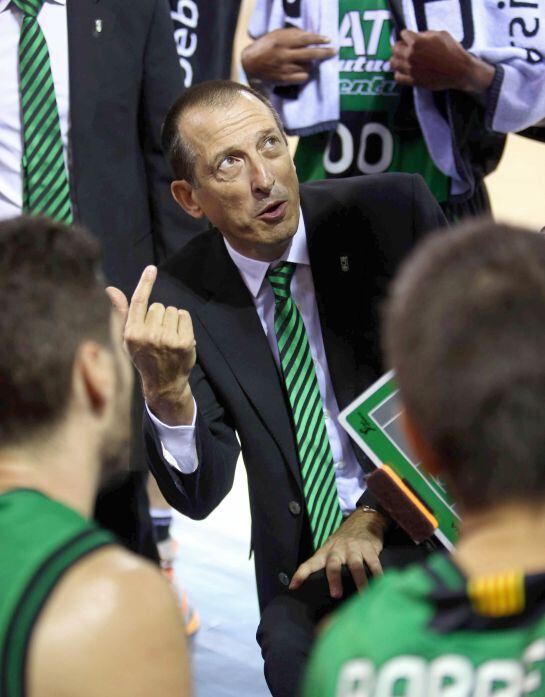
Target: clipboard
[(373, 422)]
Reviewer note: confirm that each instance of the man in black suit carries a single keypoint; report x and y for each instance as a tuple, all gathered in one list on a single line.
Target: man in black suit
[(232, 164), (123, 78), (122, 81), (116, 72)]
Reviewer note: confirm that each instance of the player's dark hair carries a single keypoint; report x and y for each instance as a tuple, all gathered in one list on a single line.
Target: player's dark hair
[(465, 331), (212, 94), (52, 298)]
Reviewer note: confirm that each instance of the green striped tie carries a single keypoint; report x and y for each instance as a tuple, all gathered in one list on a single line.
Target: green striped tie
[(315, 457), (45, 181)]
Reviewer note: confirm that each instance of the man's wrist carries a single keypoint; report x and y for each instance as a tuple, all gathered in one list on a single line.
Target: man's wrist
[(370, 519), (376, 520), (368, 502), (174, 407), (479, 76), (248, 63)]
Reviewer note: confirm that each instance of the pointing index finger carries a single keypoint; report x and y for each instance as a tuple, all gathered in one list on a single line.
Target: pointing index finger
[(299, 39), (140, 298)]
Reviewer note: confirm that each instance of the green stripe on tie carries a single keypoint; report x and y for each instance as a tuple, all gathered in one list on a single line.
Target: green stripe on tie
[(315, 457), (45, 180)]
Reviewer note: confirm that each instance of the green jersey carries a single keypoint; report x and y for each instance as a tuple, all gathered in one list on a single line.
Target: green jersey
[(40, 539), (376, 132), (430, 632)]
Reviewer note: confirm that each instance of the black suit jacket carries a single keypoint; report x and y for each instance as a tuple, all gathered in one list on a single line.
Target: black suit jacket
[(373, 222), (124, 75)]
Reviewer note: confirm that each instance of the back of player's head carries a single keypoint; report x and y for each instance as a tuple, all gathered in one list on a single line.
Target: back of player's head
[(52, 299), (465, 331)]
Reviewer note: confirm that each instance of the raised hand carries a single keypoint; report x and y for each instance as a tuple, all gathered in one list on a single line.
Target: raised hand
[(284, 56), (162, 345)]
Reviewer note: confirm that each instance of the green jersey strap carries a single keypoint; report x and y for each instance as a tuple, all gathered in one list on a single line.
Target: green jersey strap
[(17, 638)]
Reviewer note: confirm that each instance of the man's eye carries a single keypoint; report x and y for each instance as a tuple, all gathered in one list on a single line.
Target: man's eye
[(271, 141), (228, 162)]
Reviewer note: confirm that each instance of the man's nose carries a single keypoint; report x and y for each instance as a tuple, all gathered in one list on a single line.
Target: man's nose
[(262, 178)]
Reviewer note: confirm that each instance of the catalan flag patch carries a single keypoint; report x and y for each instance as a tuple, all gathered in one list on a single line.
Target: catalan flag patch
[(497, 595)]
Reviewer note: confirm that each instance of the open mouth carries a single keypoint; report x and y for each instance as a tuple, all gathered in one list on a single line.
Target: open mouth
[(273, 211)]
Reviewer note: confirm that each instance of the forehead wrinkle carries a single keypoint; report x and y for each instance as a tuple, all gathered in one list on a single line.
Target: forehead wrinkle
[(256, 137), (230, 127), (231, 131)]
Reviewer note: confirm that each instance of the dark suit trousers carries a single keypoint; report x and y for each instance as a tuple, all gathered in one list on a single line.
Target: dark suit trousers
[(289, 622)]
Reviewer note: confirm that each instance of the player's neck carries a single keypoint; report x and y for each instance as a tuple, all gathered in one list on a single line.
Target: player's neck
[(59, 467), (502, 539)]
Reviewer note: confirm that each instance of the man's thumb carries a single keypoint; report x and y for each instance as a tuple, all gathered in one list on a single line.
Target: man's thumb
[(118, 300)]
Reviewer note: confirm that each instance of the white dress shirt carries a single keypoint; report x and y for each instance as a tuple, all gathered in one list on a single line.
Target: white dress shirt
[(179, 441), (52, 20)]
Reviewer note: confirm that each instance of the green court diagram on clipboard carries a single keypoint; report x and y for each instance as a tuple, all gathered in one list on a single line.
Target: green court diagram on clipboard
[(373, 421)]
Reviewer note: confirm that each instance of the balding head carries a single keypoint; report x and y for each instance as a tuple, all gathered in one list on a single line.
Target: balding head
[(213, 94)]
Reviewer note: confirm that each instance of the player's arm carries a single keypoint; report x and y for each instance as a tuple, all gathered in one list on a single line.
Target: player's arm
[(436, 61), (111, 628), (285, 56)]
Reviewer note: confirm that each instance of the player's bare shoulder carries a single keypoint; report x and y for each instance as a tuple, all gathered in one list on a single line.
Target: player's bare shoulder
[(111, 627)]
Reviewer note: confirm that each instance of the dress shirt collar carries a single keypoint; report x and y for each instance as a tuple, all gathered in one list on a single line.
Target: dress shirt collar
[(253, 272), (4, 3)]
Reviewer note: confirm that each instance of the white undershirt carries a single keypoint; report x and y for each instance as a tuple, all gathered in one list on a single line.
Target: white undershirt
[(52, 20)]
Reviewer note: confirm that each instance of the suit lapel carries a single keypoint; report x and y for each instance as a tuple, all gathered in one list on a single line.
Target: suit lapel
[(339, 269), (231, 320)]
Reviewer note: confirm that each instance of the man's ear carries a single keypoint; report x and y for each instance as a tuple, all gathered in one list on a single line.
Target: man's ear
[(94, 376), (424, 453), (183, 194)]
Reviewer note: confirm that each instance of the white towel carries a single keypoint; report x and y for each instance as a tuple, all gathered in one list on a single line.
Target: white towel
[(317, 105), (487, 28), (494, 31)]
